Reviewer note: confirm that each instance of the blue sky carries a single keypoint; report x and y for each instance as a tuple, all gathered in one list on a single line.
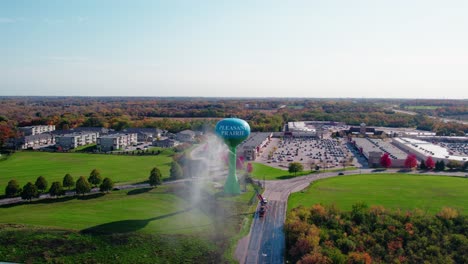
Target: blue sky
[(384, 49)]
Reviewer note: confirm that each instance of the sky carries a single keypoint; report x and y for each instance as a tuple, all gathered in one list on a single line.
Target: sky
[(241, 48)]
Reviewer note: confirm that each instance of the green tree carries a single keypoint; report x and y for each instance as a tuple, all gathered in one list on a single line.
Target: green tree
[(12, 189), (68, 181), (155, 177), (465, 166), (422, 165), (440, 165), (295, 167), (176, 171), (41, 183), (107, 185), (95, 177), (82, 186), (453, 165), (29, 191), (56, 189)]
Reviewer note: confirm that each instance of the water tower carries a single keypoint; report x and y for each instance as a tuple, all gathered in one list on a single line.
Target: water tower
[(233, 131)]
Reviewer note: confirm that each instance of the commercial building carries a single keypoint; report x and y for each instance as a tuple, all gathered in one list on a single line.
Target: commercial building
[(364, 130), (440, 151), (73, 140), (35, 130), (373, 149), (116, 141), (250, 149)]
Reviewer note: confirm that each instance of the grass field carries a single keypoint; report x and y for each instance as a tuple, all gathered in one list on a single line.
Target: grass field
[(168, 210), (144, 210), (24, 244), (27, 166), (272, 173), (422, 107), (428, 193)]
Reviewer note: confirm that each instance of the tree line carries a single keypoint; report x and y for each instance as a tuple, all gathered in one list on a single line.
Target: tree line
[(82, 186), (411, 162), (324, 234)]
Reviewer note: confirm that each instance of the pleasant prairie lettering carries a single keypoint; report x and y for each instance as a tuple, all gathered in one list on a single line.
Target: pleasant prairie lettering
[(231, 130)]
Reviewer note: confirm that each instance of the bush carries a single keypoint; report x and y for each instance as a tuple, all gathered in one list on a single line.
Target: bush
[(13, 189)]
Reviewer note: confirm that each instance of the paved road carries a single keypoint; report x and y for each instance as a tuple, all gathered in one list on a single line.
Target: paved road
[(266, 240)]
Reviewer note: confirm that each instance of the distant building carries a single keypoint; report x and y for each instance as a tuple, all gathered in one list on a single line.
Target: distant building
[(165, 143), (100, 130), (253, 145), (73, 140), (373, 149), (364, 130), (34, 130), (145, 134), (35, 141), (186, 136), (116, 141)]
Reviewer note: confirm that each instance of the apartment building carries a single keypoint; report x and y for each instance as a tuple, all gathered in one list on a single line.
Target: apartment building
[(35, 130), (73, 140), (116, 141)]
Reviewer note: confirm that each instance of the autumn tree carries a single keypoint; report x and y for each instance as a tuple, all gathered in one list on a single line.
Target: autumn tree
[(82, 186), (41, 183), (29, 191), (249, 168), (106, 185), (56, 189), (295, 167), (430, 163), (95, 177), (12, 189), (385, 161), (411, 161), (155, 177), (68, 181)]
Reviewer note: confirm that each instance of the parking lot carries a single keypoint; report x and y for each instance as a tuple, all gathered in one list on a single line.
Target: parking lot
[(327, 153)]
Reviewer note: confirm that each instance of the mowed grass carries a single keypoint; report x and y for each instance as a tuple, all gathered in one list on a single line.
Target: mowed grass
[(270, 173), (27, 166), (406, 192), (145, 210)]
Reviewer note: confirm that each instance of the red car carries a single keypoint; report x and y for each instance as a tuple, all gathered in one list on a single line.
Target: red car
[(262, 211)]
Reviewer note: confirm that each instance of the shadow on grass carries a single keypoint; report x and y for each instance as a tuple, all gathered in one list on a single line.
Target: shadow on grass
[(127, 226), (139, 191), (90, 196), (285, 177)]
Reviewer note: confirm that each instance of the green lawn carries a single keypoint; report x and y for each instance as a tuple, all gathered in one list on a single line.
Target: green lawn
[(146, 210), (422, 107), (428, 193), (271, 173), (27, 166)]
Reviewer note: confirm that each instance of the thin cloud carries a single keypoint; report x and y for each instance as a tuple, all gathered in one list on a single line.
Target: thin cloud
[(53, 21), (7, 20), (67, 58), (81, 19)]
